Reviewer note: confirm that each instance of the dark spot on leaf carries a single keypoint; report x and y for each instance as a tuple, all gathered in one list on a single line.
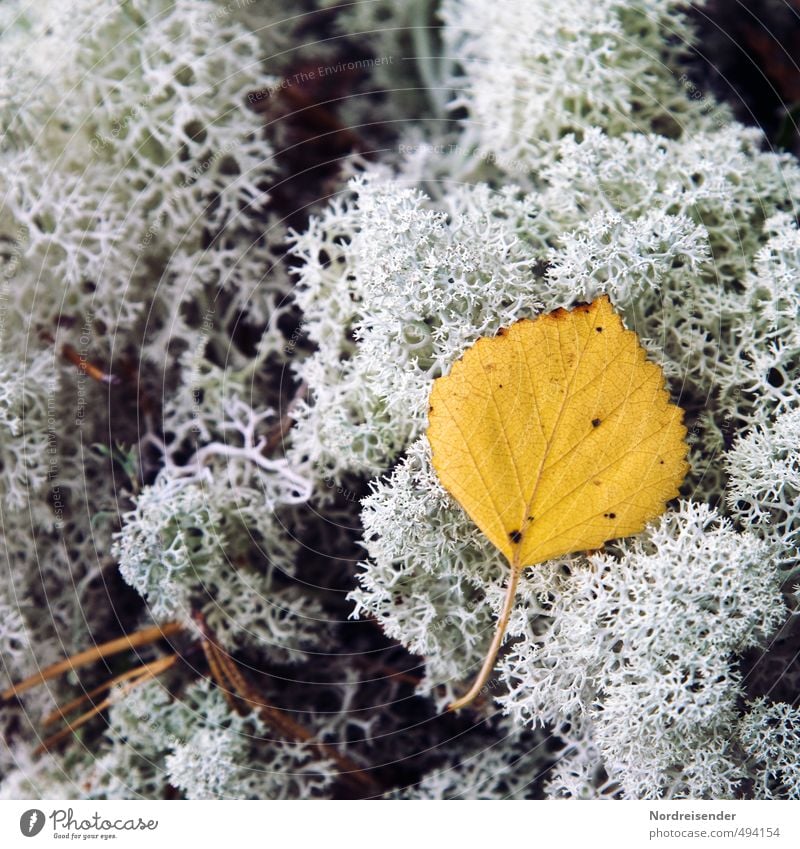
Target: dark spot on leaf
[(597, 483), (599, 329), (499, 385), (515, 536), (530, 518), (612, 515), (595, 422), (661, 462)]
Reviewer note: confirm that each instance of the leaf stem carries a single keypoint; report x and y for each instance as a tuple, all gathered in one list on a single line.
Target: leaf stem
[(497, 641)]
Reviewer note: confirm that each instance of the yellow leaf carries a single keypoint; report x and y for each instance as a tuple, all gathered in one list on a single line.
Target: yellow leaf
[(555, 436)]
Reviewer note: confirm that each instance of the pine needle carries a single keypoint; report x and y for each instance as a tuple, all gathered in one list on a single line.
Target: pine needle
[(76, 661)]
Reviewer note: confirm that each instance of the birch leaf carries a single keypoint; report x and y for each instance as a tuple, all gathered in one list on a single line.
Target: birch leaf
[(555, 436)]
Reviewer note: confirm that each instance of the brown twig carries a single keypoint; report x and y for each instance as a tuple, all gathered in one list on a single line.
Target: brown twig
[(319, 117), (389, 672), (81, 363), (232, 682), (145, 674), (131, 674), (276, 435), (76, 661), (217, 673)]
